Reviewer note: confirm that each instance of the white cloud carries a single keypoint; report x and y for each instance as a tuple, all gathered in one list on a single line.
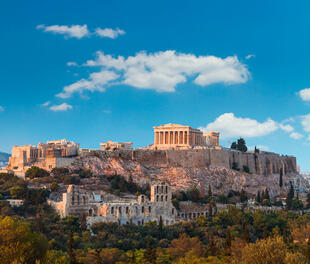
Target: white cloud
[(250, 56), (61, 107), (286, 128), (96, 82), (74, 31), (107, 112), (1, 108), (296, 135), (72, 63), (230, 126), (46, 103), (163, 71), (305, 122), (305, 94), (109, 32)]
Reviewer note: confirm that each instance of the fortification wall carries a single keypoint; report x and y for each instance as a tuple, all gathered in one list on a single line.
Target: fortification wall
[(258, 163)]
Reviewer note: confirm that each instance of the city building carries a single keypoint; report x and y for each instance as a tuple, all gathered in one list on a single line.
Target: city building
[(111, 145), (58, 153), (101, 207), (178, 136)]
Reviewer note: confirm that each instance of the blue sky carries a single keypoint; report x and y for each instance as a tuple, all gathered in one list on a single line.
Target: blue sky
[(241, 67)]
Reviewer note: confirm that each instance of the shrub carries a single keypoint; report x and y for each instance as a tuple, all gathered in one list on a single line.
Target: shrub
[(36, 172), (246, 169)]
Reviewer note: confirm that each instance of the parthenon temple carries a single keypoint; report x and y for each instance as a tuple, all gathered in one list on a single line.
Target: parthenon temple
[(179, 136)]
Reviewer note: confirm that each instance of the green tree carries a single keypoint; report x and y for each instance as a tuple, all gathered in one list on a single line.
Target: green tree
[(243, 196), (235, 166), (241, 145), (18, 244), (54, 186), (149, 254), (246, 169), (307, 253), (17, 192), (70, 248), (308, 200), (233, 145), (281, 178), (209, 191), (193, 194), (36, 172), (258, 198), (228, 241), (289, 197)]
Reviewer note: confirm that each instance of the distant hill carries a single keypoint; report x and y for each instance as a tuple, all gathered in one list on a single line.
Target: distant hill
[(4, 157)]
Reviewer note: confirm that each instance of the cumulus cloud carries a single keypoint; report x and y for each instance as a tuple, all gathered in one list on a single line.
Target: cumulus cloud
[(1, 108), (286, 128), (74, 31), (46, 103), (61, 107), (305, 122), (72, 63), (305, 94), (231, 126), (96, 82), (250, 56), (109, 32), (296, 135), (163, 71)]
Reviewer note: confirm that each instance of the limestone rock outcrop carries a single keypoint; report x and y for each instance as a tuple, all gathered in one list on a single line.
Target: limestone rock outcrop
[(185, 168)]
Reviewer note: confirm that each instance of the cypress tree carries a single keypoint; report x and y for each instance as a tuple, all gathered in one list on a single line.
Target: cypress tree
[(209, 191), (212, 246), (243, 196), (246, 234), (308, 200), (308, 250), (258, 198), (70, 248), (267, 195), (228, 241), (281, 178), (289, 197), (150, 254)]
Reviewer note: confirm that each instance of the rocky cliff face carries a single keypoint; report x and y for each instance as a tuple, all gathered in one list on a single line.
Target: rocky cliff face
[(185, 168)]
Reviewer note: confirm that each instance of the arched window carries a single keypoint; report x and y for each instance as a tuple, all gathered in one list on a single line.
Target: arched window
[(166, 189), (166, 198), (156, 198), (72, 200), (84, 200), (78, 200), (172, 211), (127, 210), (162, 198), (90, 212), (142, 199), (150, 209), (112, 210), (120, 210), (142, 209)]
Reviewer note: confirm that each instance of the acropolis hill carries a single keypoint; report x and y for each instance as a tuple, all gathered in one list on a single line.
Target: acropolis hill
[(181, 156)]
